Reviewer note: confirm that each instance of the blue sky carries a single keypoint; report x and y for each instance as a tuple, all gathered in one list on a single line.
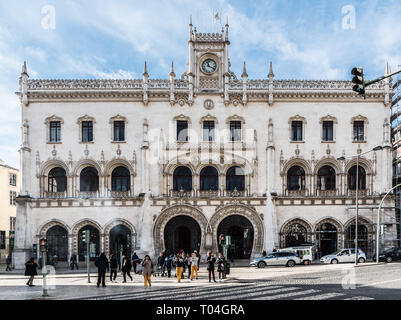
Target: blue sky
[(111, 39)]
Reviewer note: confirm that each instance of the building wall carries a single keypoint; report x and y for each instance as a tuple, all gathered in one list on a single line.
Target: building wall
[(7, 210)]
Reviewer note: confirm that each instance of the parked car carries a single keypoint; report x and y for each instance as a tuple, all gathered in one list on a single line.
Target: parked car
[(389, 255), (305, 253), (288, 259), (344, 255)]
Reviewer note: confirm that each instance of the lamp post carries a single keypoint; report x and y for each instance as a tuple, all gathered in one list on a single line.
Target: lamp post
[(356, 195)]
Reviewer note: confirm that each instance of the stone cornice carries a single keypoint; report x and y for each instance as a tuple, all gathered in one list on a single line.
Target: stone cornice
[(159, 90)]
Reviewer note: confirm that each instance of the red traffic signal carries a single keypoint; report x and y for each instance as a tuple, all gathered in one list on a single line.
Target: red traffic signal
[(43, 244)]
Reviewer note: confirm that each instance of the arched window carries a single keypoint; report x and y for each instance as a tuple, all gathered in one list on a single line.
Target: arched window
[(57, 180), (326, 178), (120, 179), (209, 179), (182, 179), (57, 243), (296, 178), (89, 180), (235, 179), (352, 178)]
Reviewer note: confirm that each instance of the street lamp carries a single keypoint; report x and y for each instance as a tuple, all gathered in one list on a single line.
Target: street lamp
[(356, 194)]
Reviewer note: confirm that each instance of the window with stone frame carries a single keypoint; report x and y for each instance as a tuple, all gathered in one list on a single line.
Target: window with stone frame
[(2, 240), (182, 130), (359, 131), (297, 131), (208, 130), (235, 130), (55, 131), (13, 195), (119, 130), (328, 131), (87, 131)]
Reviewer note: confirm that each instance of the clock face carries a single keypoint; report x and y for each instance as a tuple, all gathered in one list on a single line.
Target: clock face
[(209, 66)]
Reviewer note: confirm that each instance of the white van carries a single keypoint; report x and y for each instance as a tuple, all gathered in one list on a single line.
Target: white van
[(305, 253)]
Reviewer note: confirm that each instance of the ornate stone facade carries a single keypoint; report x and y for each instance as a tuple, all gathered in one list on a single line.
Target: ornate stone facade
[(248, 126)]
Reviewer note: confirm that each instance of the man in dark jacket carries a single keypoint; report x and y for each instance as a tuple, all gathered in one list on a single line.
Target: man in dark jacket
[(135, 261), (102, 264), (160, 264), (30, 271), (113, 267)]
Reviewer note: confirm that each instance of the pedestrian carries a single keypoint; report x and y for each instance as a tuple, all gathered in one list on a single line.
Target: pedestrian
[(179, 262), (126, 269), (175, 264), (264, 254), (30, 271), (160, 265), (8, 263), (102, 264), (198, 255), (188, 263), (113, 267), (147, 269), (194, 266), (54, 261), (73, 262), (211, 260), (135, 261), (168, 263), (221, 266)]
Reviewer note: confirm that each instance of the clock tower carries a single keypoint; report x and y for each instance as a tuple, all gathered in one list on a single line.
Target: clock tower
[(208, 66)]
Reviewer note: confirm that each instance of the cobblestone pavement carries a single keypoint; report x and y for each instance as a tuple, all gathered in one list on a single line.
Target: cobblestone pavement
[(315, 282)]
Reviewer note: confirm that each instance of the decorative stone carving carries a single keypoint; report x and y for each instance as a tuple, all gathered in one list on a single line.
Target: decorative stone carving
[(208, 104)]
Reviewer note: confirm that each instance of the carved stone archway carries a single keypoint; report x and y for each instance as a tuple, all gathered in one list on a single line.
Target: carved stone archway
[(78, 226), (248, 213), (286, 229), (178, 210), (111, 225)]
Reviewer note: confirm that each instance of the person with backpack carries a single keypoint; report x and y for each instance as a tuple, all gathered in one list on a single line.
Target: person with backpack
[(102, 264), (160, 265), (126, 269), (211, 260), (147, 270), (30, 271), (113, 267)]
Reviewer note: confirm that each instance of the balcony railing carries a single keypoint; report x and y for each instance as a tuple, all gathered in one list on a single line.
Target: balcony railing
[(296, 193), (120, 194), (55, 195), (361, 192), (327, 193)]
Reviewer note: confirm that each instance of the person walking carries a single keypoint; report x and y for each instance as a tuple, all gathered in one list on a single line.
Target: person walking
[(102, 264), (160, 265), (135, 261), (54, 261), (211, 260), (198, 255), (168, 263), (188, 263), (179, 262), (221, 266), (30, 271), (147, 268), (194, 266), (8, 263), (126, 269), (113, 267), (73, 262)]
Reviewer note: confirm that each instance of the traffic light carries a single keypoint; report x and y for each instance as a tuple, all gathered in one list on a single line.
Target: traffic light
[(43, 244), (222, 239), (358, 81), (86, 237)]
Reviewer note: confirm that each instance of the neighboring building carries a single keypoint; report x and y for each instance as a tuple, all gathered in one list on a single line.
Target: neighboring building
[(396, 138), (152, 165), (9, 188)]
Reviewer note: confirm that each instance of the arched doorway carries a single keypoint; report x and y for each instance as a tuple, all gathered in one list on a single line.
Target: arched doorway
[(120, 240), (363, 237), (295, 233), (57, 243), (94, 242), (182, 233), (241, 231), (326, 239)]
